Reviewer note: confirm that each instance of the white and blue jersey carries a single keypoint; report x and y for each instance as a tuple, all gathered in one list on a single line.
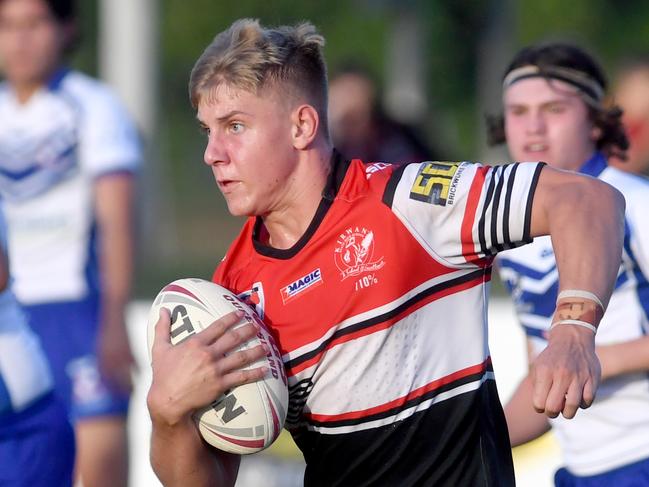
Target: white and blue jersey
[(614, 431), (52, 148), (24, 372)]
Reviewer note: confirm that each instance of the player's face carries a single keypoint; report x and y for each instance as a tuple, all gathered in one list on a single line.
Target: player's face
[(632, 95), (548, 121), (31, 41), (249, 148)]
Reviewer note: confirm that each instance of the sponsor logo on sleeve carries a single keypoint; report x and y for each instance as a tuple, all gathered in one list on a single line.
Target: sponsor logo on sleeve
[(436, 183), (375, 167), (292, 290)]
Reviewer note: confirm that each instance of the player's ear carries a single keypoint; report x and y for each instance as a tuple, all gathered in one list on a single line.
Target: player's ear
[(304, 125), (595, 133)]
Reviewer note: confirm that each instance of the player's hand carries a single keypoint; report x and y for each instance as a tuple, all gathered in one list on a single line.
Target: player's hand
[(565, 376), (197, 371), (114, 355)]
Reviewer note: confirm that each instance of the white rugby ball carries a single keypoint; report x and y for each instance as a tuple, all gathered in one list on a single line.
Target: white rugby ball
[(249, 417)]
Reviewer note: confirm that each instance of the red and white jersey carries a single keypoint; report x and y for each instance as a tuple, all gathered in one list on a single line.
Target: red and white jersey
[(380, 313)]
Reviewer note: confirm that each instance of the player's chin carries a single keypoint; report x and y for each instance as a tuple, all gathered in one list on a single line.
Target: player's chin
[(238, 209), (244, 204)]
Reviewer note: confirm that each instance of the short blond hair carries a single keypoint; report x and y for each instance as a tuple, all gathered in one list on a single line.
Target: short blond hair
[(250, 57)]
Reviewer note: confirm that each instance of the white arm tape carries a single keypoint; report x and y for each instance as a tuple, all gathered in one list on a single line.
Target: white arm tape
[(583, 324), (576, 293)]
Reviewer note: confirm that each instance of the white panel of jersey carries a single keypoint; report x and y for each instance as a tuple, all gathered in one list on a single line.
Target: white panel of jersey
[(24, 373), (614, 431), (51, 150)]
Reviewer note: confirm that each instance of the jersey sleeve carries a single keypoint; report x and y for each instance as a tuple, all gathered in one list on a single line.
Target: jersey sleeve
[(464, 213), (109, 141)]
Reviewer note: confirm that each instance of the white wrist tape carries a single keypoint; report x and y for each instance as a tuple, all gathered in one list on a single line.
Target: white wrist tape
[(583, 324), (577, 293)]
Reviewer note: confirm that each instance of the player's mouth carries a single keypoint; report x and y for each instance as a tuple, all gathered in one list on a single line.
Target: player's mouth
[(227, 185), (536, 147)]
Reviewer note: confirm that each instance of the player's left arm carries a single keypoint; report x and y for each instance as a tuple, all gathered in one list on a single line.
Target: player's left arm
[(114, 213), (585, 219), (624, 358)]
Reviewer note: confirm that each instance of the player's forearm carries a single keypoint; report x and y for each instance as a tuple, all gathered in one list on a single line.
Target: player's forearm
[(116, 242), (180, 458), (585, 219), (624, 358), (523, 422)]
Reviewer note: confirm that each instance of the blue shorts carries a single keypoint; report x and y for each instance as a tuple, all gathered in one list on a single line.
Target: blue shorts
[(632, 475), (68, 335), (37, 446)]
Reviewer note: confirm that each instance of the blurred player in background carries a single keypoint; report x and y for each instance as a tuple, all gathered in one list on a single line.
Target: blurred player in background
[(553, 111), (36, 438), (360, 126), (68, 152), (632, 95), (389, 371)]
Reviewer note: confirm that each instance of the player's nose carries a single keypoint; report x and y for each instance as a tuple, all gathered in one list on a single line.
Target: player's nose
[(535, 123), (215, 152)]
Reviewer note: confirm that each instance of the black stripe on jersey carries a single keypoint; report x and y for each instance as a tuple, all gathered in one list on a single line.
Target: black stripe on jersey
[(393, 182), (508, 195), (481, 224), (386, 316), (408, 404), (494, 220), (339, 168), (461, 441), (298, 395), (527, 238)]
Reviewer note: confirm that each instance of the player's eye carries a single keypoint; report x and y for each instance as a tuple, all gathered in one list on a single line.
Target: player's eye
[(516, 110), (556, 108), (236, 127), (205, 129)]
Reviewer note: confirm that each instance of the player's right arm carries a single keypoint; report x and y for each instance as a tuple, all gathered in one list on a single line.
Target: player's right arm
[(523, 422), (186, 377)]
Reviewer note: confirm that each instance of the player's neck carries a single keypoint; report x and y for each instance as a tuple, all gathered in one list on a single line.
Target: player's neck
[(288, 222), (24, 91)]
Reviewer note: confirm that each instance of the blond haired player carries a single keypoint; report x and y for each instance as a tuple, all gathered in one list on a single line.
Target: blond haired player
[(385, 348)]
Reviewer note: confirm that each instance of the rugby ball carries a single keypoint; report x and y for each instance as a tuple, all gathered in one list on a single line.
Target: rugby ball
[(249, 417)]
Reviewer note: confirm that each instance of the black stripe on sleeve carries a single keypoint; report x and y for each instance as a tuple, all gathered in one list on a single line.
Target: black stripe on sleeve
[(391, 187), (527, 238), (481, 224), (495, 242), (508, 197)]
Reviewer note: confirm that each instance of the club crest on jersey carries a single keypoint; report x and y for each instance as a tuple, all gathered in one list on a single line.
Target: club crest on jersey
[(311, 280), (354, 253), (434, 183), (254, 297)]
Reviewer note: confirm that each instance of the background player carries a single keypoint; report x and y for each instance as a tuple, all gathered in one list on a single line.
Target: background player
[(360, 125), (553, 111), (36, 438), (391, 380), (632, 95), (67, 156)]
